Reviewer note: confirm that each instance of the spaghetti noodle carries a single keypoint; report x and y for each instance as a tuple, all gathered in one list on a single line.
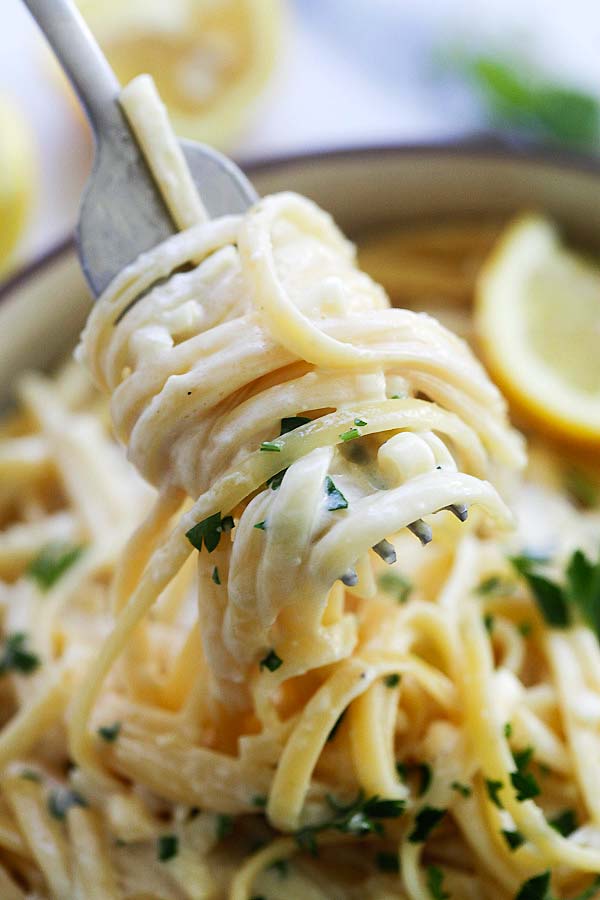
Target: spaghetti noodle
[(273, 670)]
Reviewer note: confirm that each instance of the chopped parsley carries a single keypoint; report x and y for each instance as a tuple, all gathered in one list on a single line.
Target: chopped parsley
[(508, 730), (52, 562), (359, 422), (358, 818), (209, 531), (387, 862), (525, 785), (30, 775), (522, 758), (494, 586), (435, 883), (350, 435), (488, 621), (536, 888), (259, 800), (15, 656), (463, 789), (262, 526), (423, 770), (514, 839), (61, 800), (110, 733), (215, 575), (581, 488), (292, 422), (223, 826), (524, 629), (167, 846), (335, 498), (493, 788), (395, 584), (565, 822), (426, 820), (392, 680), (271, 661), (270, 447)]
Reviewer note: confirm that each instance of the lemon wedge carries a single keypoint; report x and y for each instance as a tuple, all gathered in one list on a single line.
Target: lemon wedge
[(537, 317), (209, 58), (17, 180)]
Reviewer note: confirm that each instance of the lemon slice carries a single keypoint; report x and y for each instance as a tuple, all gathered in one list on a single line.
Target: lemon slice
[(209, 58), (17, 180), (538, 321)]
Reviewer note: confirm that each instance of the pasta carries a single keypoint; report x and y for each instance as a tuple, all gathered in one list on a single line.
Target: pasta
[(276, 686)]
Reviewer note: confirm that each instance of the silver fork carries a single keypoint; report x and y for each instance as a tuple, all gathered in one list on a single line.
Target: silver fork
[(122, 213)]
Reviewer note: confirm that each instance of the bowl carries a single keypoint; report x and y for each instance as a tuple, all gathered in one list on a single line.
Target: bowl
[(43, 308)]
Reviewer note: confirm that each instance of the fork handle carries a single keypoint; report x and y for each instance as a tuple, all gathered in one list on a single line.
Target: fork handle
[(82, 60)]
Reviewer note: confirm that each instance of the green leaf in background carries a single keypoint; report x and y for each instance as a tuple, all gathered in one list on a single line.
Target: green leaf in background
[(517, 96)]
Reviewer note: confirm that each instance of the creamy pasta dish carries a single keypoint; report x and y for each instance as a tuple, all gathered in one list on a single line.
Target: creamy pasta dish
[(316, 638)]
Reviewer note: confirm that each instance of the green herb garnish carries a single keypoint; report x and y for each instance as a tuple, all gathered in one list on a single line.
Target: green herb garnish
[(274, 482), (61, 800), (426, 820), (395, 584), (525, 785), (271, 661), (565, 822), (493, 788), (463, 789), (350, 435), (215, 575), (262, 526), (15, 656), (167, 846), (335, 498), (223, 826), (52, 562), (507, 730), (259, 800), (423, 770), (514, 839), (358, 818), (494, 586), (270, 447), (392, 680), (435, 881), (549, 596), (360, 422), (209, 531), (30, 775), (488, 621), (536, 888), (110, 733)]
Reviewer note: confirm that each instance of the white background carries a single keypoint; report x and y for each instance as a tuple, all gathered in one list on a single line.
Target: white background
[(351, 72)]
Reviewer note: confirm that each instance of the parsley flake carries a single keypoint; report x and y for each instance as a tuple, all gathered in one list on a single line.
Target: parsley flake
[(167, 846), (488, 621), (209, 531), (61, 801), (360, 422), (423, 770), (110, 733), (271, 661), (426, 820), (335, 498), (223, 826), (215, 575), (549, 596), (435, 881), (270, 447), (15, 656), (274, 482), (262, 526), (565, 822), (358, 818), (463, 789), (508, 730), (494, 586), (52, 562), (525, 785), (395, 584), (536, 888), (393, 680), (493, 788), (350, 435), (514, 839), (259, 800)]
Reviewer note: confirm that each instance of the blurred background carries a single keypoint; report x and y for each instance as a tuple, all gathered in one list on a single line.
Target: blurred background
[(268, 77)]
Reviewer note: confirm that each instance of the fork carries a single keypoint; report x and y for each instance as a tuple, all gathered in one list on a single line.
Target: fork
[(122, 213)]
